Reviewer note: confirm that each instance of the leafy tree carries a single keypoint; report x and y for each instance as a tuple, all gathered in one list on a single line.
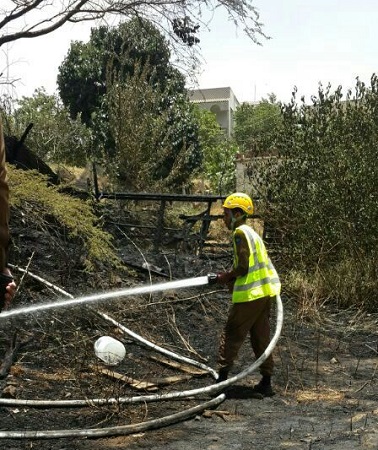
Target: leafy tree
[(256, 126), (55, 137), (83, 73), (155, 134), (120, 56), (326, 190), (79, 81), (218, 165)]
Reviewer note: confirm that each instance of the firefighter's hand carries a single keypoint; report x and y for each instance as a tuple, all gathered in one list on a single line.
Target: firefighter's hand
[(9, 287), (224, 277)]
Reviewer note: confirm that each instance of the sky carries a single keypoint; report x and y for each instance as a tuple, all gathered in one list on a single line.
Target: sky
[(311, 42)]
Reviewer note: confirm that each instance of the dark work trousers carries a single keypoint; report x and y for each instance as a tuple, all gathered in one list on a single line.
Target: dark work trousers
[(248, 317)]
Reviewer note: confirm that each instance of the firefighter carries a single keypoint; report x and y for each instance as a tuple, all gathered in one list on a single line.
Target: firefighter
[(253, 282)]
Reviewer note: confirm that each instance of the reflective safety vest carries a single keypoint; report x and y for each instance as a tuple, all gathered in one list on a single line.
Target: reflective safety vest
[(262, 279)]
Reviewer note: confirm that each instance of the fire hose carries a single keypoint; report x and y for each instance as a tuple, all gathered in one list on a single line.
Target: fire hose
[(134, 428)]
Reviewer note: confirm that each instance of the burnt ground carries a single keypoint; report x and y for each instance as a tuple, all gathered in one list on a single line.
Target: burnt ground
[(326, 362)]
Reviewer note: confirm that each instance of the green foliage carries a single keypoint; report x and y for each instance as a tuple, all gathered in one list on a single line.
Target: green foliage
[(44, 204), (55, 137), (210, 132), (149, 135), (155, 134), (186, 30), (256, 127), (81, 80), (83, 74), (326, 189), (218, 165)]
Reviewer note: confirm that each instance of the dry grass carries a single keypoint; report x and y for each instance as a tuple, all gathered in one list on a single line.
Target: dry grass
[(321, 394)]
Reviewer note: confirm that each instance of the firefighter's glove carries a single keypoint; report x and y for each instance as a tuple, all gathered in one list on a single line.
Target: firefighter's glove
[(225, 277)]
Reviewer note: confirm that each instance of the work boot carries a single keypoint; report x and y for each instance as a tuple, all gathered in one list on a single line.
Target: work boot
[(264, 387), (223, 375)]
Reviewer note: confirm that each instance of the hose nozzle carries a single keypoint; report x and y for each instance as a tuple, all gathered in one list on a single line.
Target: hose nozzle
[(212, 278)]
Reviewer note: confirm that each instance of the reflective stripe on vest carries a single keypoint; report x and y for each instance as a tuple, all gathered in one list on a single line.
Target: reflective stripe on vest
[(262, 279)]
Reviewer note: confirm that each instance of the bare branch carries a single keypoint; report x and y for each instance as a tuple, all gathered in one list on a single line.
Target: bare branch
[(15, 14), (33, 18), (62, 17)]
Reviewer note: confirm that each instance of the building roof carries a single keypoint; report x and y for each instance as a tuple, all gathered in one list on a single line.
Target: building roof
[(211, 95)]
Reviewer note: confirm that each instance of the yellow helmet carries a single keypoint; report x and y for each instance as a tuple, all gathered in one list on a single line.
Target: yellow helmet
[(239, 200)]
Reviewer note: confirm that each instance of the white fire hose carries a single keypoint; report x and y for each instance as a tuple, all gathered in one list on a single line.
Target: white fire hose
[(143, 426)]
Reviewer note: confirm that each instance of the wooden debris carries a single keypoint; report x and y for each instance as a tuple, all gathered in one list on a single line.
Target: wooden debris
[(180, 366), (210, 413), (9, 391), (171, 380), (134, 383)]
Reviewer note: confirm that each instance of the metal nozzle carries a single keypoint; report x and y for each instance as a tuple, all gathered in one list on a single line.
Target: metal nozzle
[(212, 278)]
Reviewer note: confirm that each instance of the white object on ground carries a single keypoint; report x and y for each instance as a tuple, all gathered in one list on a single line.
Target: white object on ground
[(109, 350)]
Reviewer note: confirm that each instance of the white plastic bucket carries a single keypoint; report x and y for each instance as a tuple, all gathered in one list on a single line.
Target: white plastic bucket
[(109, 350)]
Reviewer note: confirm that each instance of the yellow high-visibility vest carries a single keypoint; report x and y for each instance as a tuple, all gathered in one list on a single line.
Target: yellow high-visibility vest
[(262, 279)]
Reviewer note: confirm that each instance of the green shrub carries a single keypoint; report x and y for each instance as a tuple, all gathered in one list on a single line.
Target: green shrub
[(325, 192)]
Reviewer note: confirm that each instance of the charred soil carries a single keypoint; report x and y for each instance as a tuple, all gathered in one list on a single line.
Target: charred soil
[(325, 364)]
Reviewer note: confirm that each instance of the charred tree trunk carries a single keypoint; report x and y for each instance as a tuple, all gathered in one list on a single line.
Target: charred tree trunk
[(19, 155)]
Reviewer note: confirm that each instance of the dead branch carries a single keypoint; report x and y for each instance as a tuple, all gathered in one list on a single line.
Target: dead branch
[(186, 343), (164, 381), (134, 383)]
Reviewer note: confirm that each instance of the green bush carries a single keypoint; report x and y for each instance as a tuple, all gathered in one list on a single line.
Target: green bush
[(325, 193)]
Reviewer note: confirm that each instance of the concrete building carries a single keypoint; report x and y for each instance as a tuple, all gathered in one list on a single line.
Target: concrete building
[(220, 101)]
